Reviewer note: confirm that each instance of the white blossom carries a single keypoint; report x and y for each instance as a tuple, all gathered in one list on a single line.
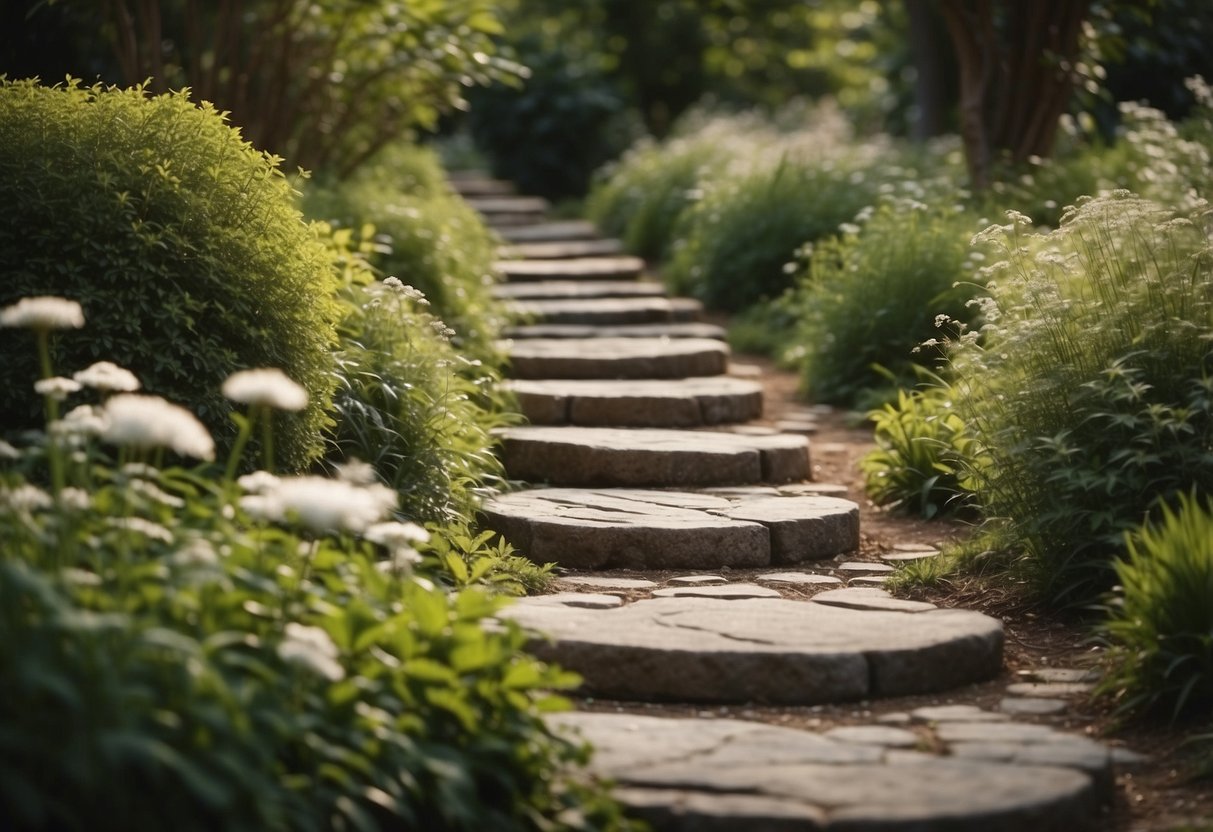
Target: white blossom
[(84, 420), (25, 497), (266, 386), (258, 482), (150, 530), (151, 422), (8, 451), (57, 388), (75, 499), (44, 312), (322, 505), (108, 377), (313, 649)]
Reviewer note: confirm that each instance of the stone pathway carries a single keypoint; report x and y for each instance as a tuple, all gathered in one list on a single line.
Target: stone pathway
[(642, 455)]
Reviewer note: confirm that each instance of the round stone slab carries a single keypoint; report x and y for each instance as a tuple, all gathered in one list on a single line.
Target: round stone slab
[(794, 536), (565, 250), (763, 650), (689, 775), (543, 232), (677, 329), (607, 358), (576, 268), (636, 529), (633, 457), (679, 403), (578, 290), (610, 311)]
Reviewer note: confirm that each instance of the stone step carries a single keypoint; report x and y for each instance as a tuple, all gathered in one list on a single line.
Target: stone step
[(680, 403), (764, 650), (692, 329), (689, 775), (632, 457), (637, 529), (493, 206), (615, 358), (564, 250), (551, 232), (578, 268), (475, 184), (610, 311), (578, 290)]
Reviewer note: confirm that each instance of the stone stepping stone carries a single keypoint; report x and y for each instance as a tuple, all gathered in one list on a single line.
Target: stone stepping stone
[(882, 735), (588, 600), (1061, 674), (479, 185), (725, 592), (863, 566), (868, 581), (820, 489), (609, 311), (766, 650), (1032, 706), (616, 358), (564, 249), (955, 713), (579, 268), (578, 290), (637, 457), (698, 580), (870, 598), (1050, 690), (606, 582), (688, 775), (634, 529), (679, 329), (796, 426), (508, 204), (677, 403), (799, 578), (549, 232), (905, 557)]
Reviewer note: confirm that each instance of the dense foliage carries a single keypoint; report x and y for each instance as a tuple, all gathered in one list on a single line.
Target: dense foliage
[(180, 240)]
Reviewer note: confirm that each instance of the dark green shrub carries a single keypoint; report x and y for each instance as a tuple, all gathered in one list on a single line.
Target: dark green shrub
[(870, 297), (1091, 389), (1160, 621), (181, 242)]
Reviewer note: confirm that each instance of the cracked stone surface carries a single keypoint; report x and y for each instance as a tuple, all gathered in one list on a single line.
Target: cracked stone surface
[(564, 249), (685, 775), (557, 231), (677, 403), (608, 311), (614, 358), (638, 529), (577, 268), (678, 329), (763, 650), (582, 290), (638, 457), (870, 598)]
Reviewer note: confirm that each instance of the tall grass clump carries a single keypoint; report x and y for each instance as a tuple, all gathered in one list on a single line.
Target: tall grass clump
[(1091, 388), (1160, 621), (871, 296), (179, 239)]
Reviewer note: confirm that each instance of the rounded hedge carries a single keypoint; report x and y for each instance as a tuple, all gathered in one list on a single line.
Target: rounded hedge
[(180, 240)]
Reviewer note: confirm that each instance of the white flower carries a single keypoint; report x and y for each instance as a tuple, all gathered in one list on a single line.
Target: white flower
[(109, 377), (331, 505), (150, 530), (151, 422), (313, 649), (258, 482), (8, 451), (153, 492), (84, 420), (357, 472), (25, 497), (393, 534), (75, 499), (267, 386), (199, 552), (261, 507), (57, 388), (45, 312)]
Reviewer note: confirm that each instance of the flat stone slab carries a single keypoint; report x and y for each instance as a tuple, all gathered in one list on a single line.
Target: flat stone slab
[(799, 578), (479, 185), (860, 567), (1033, 706), (577, 268), (762, 650), (614, 358), (544, 232), (636, 457), (870, 598), (606, 582), (508, 204), (688, 775), (609, 311), (698, 580), (1049, 690), (564, 249), (677, 329), (636, 529), (674, 403), (588, 600), (578, 290), (725, 592)]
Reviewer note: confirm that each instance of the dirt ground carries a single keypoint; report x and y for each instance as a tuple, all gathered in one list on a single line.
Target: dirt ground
[(1161, 793)]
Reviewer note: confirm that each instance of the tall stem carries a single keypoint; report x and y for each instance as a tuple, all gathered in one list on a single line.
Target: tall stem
[(53, 451)]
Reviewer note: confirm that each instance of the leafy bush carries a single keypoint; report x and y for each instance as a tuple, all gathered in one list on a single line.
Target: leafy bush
[(181, 242), (428, 238), (1160, 621), (1092, 391), (924, 454), (871, 296)]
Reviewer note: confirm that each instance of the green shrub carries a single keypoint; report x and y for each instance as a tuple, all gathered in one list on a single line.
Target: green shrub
[(181, 242), (871, 296), (1160, 621), (924, 454), (1090, 389)]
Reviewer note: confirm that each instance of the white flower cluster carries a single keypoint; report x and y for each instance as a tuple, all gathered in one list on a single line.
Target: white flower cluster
[(267, 386), (312, 649), (316, 503), (43, 313), (108, 378), (139, 421)]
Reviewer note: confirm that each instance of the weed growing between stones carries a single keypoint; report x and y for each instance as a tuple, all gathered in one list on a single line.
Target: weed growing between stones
[(178, 649)]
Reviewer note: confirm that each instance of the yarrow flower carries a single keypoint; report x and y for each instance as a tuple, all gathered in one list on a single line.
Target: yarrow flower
[(313, 649), (84, 420), (25, 497), (321, 504), (43, 313), (57, 388), (258, 482), (107, 377), (151, 422), (267, 386), (398, 538)]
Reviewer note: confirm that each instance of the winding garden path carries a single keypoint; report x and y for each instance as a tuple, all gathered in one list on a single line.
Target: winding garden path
[(642, 453)]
